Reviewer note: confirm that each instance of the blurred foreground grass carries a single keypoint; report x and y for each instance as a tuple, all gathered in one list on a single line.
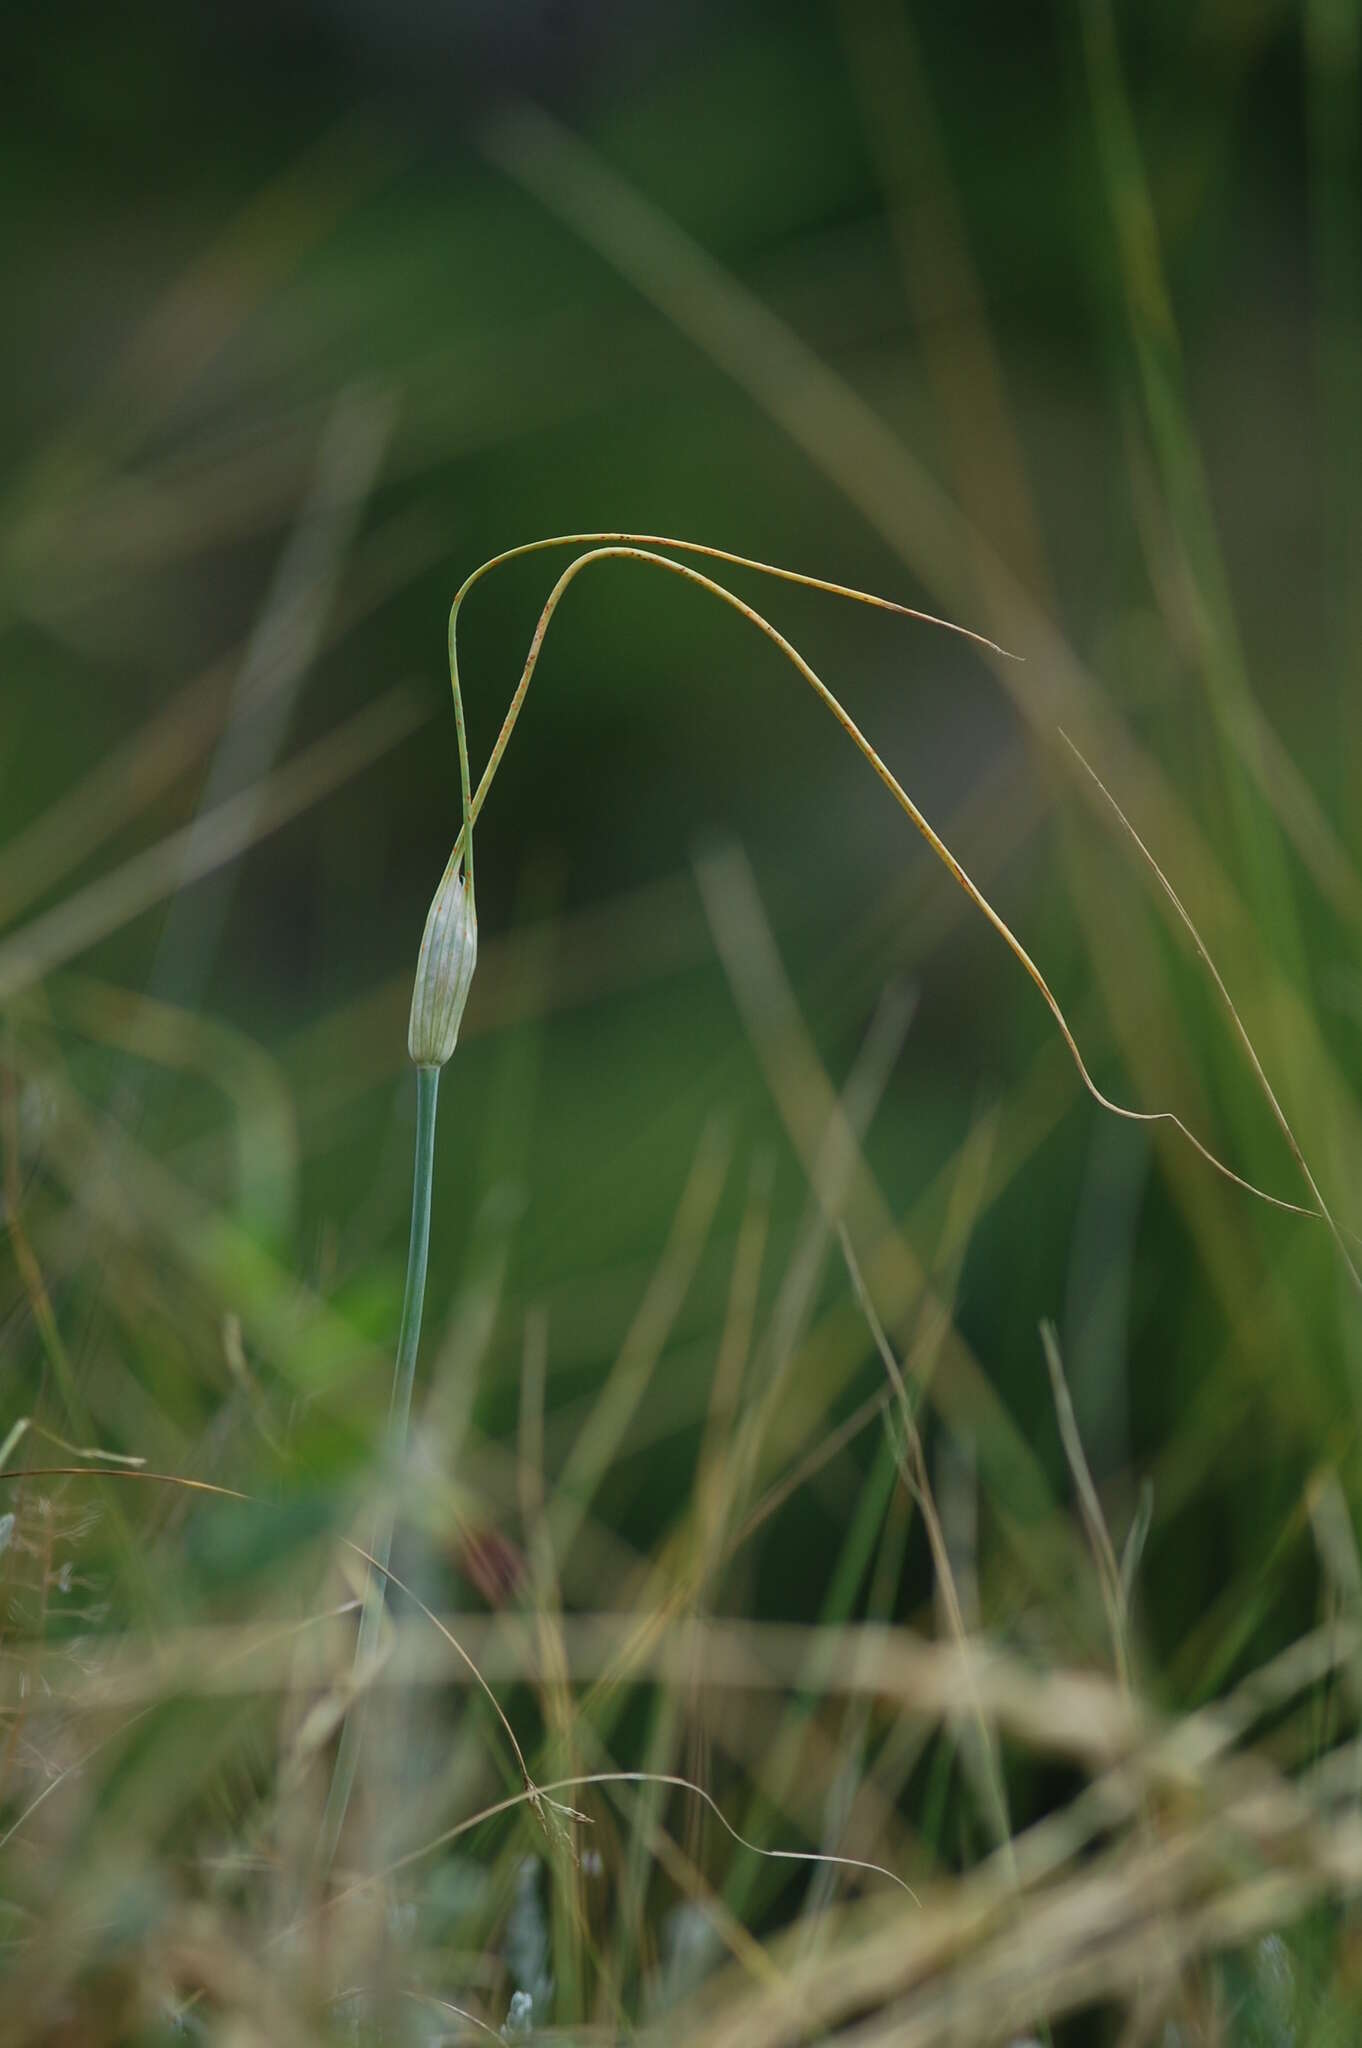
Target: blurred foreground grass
[(835, 1438)]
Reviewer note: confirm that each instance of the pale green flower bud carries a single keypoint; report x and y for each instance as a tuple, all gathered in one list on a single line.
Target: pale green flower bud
[(444, 972)]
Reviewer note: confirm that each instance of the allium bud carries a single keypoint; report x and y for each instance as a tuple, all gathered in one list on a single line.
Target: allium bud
[(444, 972)]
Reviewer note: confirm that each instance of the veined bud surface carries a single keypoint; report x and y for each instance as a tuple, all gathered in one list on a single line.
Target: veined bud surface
[(444, 972)]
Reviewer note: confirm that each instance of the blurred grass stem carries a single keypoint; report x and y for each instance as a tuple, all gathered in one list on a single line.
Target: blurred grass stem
[(399, 1417), (408, 1344)]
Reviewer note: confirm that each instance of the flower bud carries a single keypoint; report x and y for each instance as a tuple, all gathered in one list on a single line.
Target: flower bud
[(444, 972)]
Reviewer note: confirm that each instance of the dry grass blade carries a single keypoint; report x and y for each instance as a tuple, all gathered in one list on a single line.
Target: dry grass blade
[(1321, 1208), (123, 785), (1109, 1571), (833, 1162), (839, 432), (89, 1451), (460, 2012), (815, 1120), (278, 657), (781, 374), (143, 881), (971, 1968), (892, 784), (627, 1380), (708, 552), (205, 1486), (585, 1781), (183, 1040), (941, 282), (1079, 1715), (913, 1465)]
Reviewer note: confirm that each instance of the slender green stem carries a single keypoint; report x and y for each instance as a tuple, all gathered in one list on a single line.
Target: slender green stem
[(409, 1336), (399, 1416)]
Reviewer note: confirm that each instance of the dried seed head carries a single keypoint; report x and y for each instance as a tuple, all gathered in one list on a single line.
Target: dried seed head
[(444, 972)]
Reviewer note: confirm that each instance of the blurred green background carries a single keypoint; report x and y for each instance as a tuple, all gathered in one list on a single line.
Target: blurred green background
[(284, 312), (1045, 319)]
